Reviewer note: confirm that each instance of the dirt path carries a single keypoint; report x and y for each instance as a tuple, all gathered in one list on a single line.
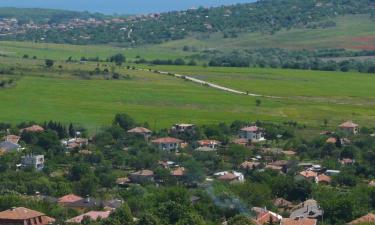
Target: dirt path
[(208, 84)]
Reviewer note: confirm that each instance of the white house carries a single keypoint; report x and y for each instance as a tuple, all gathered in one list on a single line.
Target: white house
[(33, 161), (252, 133)]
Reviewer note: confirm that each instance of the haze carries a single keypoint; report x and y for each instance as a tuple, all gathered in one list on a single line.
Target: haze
[(118, 6)]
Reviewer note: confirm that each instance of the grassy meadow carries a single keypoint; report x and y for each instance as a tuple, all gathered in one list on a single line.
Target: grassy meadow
[(58, 93)]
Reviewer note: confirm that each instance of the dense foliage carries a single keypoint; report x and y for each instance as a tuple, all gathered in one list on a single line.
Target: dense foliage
[(267, 16)]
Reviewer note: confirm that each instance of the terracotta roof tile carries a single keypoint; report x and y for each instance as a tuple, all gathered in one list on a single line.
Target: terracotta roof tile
[(348, 124), (251, 129), (139, 130), (304, 221), (366, 218), (69, 198), (19, 213), (167, 140), (93, 215)]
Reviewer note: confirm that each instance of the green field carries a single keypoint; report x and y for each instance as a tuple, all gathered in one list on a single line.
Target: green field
[(343, 35), (59, 94)]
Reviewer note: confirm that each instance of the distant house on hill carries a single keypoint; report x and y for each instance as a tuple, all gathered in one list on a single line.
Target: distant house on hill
[(183, 128), (298, 221), (66, 199), (214, 144), (12, 138), (7, 146), (307, 209), (142, 176), (92, 215), (33, 161), (23, 216), (230, 177), (167, 143), (146, 133), (349, 128), (33, 128), (369, 218), (252, 134)]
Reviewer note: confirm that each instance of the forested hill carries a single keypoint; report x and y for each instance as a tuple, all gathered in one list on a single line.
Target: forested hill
[(37, 15), (267, 16)]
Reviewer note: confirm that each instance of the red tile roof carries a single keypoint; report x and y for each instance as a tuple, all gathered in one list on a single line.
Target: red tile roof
[(304, 221), (166, 140), (331, 140), (143, 173), (366, 218), (249, 165), (349, 124), (323, 178), (208, 142), (228, 177), (93, 215), (19, 213), (308, 174), (69, 198), (33, 128), (178, 172), (139, 130), (250, 129)]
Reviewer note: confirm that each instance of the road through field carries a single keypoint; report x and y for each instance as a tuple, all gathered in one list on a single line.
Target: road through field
[(209, 84)]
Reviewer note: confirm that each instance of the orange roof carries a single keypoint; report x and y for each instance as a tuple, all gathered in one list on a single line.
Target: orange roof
[(208, 142), (331, 140), (167, 140), (304, 221), (366, 218), (324, 178), (349, 124), (69, 198), (266, 217), (19, 213), (180, 171), (33, 128), (139, 130), (308, 174)]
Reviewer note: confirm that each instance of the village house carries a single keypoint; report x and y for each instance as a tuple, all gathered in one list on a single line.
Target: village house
[(230, 177), (88, 203), (282, 164), (33, 161), (166, 164), (323, 179), (167, 143), (178, 172), (369, 218), (142, 176), (347, 162), (264, 216), (92, 215), (213, 144), (252, 134), (182, 128), (7, 146), (122, 181), (22, 216), (250, 165), (308, 175), (307, 209), (298, 221), (146, 133), (75, 143), (349, 128), (66, 199), (33, 128), (12, 138)]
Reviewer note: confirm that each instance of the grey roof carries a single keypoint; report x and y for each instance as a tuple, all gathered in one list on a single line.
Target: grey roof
[(307, 209), (9, 146)]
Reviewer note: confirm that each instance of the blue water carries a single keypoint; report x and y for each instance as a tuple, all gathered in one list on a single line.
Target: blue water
[(118, 6)]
